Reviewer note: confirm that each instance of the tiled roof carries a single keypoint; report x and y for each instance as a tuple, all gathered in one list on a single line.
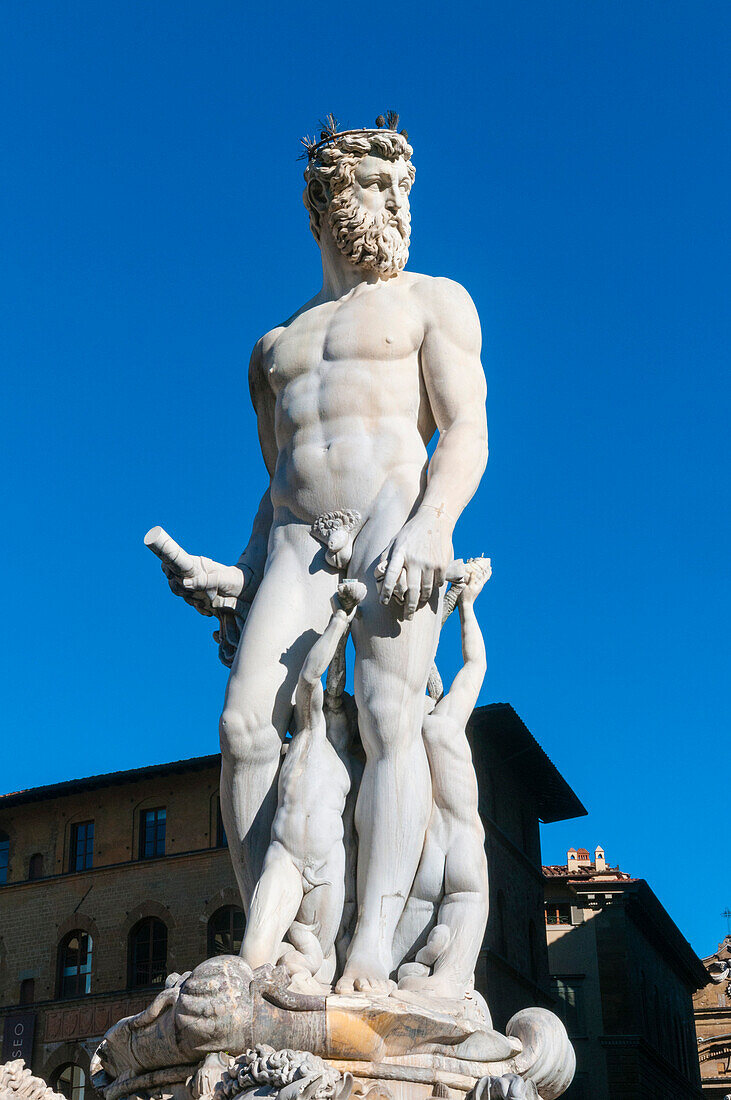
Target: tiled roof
[(587, 874)]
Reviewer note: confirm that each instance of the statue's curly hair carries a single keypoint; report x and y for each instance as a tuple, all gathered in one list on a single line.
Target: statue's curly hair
[(333, 166)]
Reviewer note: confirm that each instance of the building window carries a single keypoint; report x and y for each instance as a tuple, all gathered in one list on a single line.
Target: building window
[(81, 857), (152, 833), (74, 964), (35, 867), (570, 995), (558, 913), (70, 1081), (221, 840), (226, 931), (148, 950), (4, 857), (27, 991)]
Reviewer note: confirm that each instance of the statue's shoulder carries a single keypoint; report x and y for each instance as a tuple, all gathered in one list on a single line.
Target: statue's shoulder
[(445, 302), (265, 342)]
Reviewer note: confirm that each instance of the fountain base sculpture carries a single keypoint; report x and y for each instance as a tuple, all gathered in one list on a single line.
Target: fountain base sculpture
[(224, 1031)]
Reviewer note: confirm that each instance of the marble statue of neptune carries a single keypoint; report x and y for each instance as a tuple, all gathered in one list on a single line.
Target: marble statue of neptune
[(348, 393)]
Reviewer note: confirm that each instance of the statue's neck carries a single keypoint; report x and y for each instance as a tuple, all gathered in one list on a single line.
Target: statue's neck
[(339, 275)]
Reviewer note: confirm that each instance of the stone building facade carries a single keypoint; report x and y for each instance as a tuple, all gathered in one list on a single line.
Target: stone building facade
[(624, 977), (713, 1024), (108, 883)]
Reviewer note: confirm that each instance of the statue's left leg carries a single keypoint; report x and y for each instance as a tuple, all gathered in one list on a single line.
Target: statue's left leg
[(393, 658)]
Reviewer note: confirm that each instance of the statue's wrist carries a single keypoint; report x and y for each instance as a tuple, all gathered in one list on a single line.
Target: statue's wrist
[(441, 513)]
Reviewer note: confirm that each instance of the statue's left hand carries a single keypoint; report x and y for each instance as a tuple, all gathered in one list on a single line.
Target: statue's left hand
[(416, 561)]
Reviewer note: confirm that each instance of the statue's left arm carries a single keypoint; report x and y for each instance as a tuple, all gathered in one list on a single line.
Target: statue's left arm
[(455, 386)]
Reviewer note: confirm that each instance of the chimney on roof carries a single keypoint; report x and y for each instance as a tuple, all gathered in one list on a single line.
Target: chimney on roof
[(571, 860), (600, 864), (583, 858)]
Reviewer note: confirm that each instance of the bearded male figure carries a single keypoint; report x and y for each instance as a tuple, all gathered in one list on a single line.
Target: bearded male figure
[(348, 393)]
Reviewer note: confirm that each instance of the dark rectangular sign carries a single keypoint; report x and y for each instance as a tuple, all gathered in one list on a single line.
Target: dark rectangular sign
[(18, 1036)]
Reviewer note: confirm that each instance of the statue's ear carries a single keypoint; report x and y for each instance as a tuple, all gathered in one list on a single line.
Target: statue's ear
[(317, 195)]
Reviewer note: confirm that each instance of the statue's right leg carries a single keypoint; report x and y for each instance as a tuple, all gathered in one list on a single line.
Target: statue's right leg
[(291, 608)]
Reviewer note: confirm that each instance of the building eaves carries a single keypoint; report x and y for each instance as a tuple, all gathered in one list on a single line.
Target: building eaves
[(108, 779), (516, 747)]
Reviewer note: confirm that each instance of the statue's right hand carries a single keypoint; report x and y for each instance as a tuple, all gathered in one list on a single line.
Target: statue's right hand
[(207, 585)]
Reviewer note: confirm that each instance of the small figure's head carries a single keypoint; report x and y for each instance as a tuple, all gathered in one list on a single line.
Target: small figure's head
[(357, 189)]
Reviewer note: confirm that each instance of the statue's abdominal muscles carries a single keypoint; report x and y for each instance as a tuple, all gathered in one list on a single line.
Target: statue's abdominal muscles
[(346, 422)]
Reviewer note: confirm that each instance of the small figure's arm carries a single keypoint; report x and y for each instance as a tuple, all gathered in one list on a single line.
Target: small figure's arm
[(308, 697), (459, 701)]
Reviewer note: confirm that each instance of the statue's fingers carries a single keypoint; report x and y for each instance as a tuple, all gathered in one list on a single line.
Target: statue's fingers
[(413, 578), (427, 585), (395, 565), (380, 570), (402, 586)]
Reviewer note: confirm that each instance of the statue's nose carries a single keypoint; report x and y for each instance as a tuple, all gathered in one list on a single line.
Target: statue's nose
[(395, 199)]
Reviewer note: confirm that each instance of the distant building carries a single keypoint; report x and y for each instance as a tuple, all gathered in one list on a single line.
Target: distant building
[(109, 883), (713, 1024), (625, 978)]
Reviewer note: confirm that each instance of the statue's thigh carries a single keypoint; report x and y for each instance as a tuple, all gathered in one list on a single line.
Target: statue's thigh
[(290, 610), (392, 655)]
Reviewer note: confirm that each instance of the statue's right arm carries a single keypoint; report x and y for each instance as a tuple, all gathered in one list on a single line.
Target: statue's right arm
[(253, 558)]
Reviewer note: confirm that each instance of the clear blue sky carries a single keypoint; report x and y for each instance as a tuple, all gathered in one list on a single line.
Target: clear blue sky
[(573, 172)]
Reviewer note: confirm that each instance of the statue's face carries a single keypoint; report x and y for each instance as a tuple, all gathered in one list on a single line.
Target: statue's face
[(370, 218), (382, 185)]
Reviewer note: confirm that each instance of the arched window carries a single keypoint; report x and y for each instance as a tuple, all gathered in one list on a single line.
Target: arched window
[(4, 857), (147, 953), (35, 867), (70, 1081), (226, 931), (74, 964)]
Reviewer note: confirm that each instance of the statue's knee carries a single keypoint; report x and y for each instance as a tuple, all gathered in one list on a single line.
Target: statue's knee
[(392, 725), (245, 739)]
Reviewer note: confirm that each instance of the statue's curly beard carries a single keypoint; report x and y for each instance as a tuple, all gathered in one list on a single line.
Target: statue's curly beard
[(376, 242)]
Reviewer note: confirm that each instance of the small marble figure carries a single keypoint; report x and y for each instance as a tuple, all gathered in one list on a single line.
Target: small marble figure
[(452, 872), (302, 887)]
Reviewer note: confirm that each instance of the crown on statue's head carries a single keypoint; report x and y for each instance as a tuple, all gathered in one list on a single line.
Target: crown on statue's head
[(330, 134)]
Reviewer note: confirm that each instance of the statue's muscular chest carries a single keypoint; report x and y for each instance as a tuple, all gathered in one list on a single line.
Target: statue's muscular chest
[(365, 336)]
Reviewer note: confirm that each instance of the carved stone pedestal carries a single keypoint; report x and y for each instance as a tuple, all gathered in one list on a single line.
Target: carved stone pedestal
[(224, 1032)]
